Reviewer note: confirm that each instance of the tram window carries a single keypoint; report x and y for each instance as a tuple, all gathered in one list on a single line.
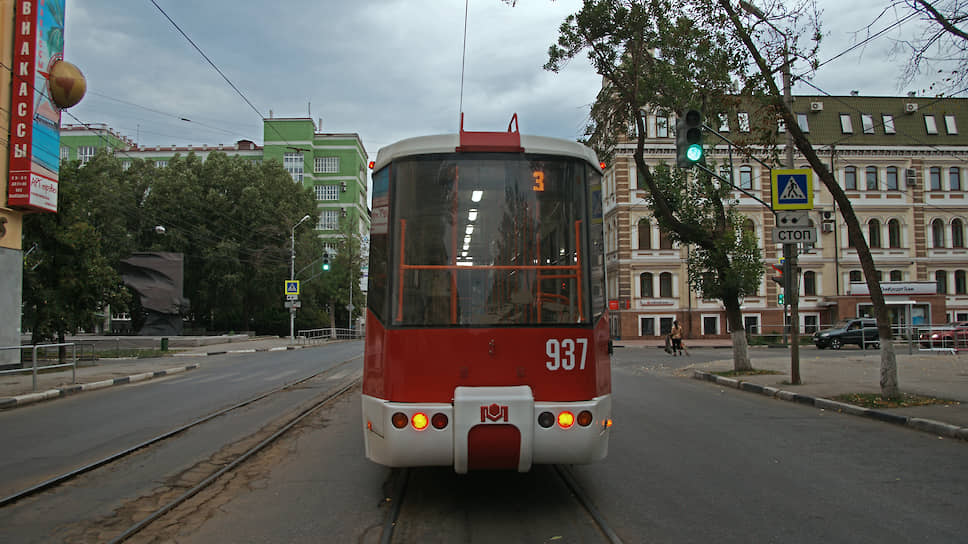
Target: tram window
[(492, 239)]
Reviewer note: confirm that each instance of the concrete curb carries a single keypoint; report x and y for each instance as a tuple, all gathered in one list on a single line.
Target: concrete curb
[(926, 425), (235, 351), (30, 398)]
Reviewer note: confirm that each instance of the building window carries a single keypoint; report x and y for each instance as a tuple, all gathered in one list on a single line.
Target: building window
[(891, 178), (664, 241), (161, 164), (897, 275), (937, 233), (85, 153), (125, 165), (745, 177), (855, 276), (811, 323), (850, 178), (645, 285), (888, 121), (294, 164), (894, 233), (781, 126), (935, 175), (645, 234), (954, 179), (845, 125), (723, 122), (941, 278), (867, 121), (744, 121), (65, 153), (328, 220), (874, 233), (930, 124), (327, 192), (957, 233), (662, 127), (710, 324), (752, 324), (327, 165), (802, 122), (949, 124), (871, 178), (961, 286), (665, 325), (810, 283), (648, 326), (665, 285)]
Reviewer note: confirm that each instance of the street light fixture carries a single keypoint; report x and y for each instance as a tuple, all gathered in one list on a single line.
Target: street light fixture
[(292, 276)]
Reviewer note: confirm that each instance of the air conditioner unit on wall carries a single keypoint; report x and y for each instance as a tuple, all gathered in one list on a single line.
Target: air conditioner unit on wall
[(910, 177), (910, 107), (816, 106)]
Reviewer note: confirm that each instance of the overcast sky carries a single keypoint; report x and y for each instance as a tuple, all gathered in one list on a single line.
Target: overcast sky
[(386, 69)]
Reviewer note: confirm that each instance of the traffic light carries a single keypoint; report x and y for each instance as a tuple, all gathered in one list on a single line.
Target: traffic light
[(779, 299), (325, 262), (779, 274), (689, 139)]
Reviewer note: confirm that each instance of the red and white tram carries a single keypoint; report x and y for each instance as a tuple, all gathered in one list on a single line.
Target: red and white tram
[(487, 336)]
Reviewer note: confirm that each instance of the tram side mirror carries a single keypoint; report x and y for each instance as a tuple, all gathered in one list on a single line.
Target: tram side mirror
[(611, 348)]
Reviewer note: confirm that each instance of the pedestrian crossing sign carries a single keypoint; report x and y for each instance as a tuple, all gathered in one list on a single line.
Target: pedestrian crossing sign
[(292, 287), (792, 189)]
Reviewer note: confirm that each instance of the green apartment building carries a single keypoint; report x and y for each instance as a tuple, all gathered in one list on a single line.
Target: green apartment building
[(333, 165)]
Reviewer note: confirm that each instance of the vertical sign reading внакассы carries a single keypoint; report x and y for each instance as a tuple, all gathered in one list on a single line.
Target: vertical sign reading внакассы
[(34, 119)]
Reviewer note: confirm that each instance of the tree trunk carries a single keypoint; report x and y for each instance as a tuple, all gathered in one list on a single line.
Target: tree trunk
[(734, 317)]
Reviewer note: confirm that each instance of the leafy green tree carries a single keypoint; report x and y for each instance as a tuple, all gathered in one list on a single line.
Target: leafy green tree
[(655, 55), (69, 272)]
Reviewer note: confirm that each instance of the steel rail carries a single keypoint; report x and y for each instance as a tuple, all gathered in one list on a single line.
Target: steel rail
[(138, 527), (57, 480)]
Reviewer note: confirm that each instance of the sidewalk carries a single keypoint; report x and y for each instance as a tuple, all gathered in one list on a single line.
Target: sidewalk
[(930, 374), (186, 353)]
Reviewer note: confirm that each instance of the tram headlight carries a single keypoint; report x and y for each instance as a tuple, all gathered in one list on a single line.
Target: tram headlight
[(566, 419), (420, 421)]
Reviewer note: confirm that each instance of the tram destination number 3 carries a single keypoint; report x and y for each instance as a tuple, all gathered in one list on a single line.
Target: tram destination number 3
[(562, 353)]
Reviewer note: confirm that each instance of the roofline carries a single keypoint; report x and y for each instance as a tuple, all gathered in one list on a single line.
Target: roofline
[(448, 143)]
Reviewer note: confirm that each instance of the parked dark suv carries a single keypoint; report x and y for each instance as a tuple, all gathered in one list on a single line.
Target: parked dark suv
[(860, 331)]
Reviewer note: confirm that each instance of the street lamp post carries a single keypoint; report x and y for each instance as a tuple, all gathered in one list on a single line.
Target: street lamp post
[(292, 276)]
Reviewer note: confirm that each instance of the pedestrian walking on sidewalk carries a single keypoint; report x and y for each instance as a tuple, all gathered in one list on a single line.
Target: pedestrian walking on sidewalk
[(676, 335)]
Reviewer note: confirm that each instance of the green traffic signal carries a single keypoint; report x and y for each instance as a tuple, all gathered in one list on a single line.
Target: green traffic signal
[(325, 262), (689, 148)]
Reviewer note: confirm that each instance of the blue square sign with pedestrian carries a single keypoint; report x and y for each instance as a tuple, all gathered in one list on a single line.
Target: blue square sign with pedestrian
[(792, 189)]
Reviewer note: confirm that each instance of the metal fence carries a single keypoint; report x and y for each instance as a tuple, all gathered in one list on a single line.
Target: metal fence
[(43, 348), (315, 336)]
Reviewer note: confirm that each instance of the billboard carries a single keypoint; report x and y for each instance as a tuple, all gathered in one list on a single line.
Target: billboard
[(34, 119)]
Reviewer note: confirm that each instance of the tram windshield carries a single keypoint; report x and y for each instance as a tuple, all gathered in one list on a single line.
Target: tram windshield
[(491, 239)]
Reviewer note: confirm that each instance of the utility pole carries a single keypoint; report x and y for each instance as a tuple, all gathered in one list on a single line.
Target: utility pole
[(791, 249), (292, 277)]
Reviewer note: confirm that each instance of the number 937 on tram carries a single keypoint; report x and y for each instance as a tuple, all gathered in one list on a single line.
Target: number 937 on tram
[(487, 344)]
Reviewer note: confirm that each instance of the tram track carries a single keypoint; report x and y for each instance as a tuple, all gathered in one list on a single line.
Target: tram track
[(202, 473), (401, 482)]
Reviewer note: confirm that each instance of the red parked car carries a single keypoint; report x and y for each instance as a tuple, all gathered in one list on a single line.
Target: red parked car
[(953, 335)]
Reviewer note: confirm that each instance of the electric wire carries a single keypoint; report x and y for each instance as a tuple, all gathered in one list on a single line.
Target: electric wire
[(217, 69)]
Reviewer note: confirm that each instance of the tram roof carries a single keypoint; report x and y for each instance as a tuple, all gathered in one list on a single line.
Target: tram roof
[(447, 143)]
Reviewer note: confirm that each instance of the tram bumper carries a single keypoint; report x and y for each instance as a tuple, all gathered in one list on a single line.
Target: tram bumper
[(491, 428)]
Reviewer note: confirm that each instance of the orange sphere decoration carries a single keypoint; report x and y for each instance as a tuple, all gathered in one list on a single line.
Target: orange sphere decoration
[(67, 84)]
